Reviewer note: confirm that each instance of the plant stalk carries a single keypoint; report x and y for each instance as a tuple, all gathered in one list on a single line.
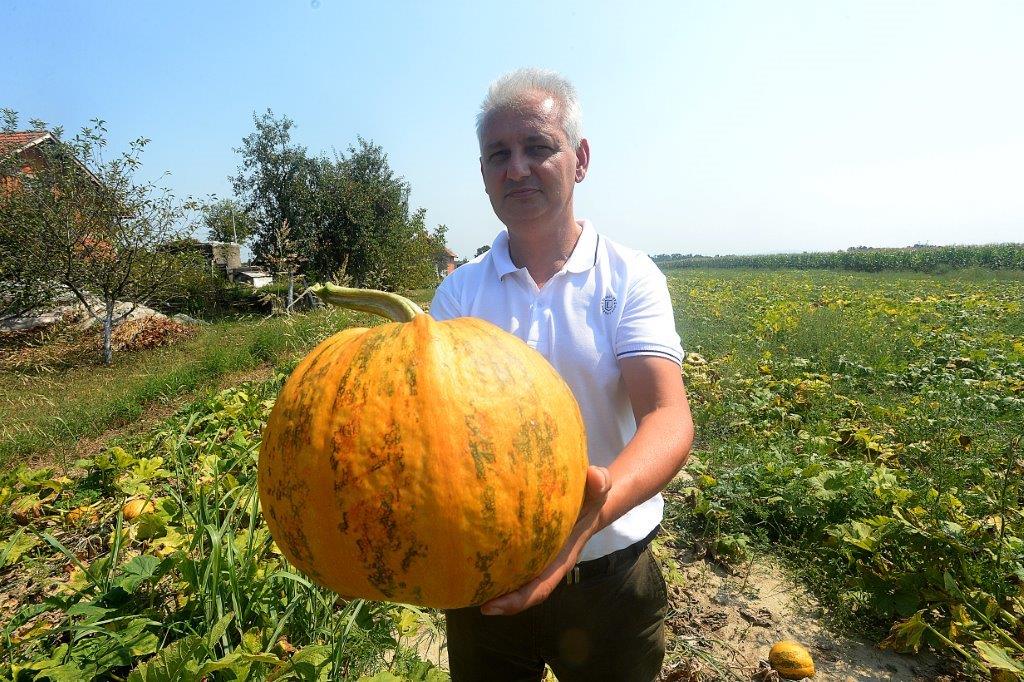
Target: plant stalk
[(392, 306)]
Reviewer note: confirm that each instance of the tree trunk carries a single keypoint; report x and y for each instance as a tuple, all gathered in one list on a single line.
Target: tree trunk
[(108, 327), (291, 291)]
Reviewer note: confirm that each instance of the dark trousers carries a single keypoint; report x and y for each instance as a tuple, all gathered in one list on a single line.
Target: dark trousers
[(609, 627)]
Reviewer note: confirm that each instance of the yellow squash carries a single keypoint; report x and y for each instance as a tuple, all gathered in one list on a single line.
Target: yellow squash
[(791, 660)]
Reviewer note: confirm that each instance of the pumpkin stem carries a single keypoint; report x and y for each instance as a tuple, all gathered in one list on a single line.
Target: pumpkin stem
[(392, 306)]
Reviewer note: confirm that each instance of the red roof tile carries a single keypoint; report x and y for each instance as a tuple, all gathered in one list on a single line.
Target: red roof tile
[(10, 142)]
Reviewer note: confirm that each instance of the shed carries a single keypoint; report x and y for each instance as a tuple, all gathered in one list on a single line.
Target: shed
[(254, 277)]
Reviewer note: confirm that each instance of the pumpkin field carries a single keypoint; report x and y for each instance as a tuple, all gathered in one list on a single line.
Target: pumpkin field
[(864, 430)]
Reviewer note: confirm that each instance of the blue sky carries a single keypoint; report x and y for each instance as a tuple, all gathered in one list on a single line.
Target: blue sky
[(715, 127)]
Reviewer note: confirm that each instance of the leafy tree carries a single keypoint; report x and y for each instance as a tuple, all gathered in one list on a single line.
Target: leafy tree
[(364, 223), (227, 221), (482, 250), (274, 182), (349, 214), (81, 223)]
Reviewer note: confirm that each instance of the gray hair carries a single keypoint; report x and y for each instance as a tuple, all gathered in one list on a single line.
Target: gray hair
[(509, 89)]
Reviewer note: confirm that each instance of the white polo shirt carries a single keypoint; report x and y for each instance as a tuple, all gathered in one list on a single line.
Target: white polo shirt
[(608, 302)]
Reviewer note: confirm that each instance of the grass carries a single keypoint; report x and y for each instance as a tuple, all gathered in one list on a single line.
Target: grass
[(49, 410)]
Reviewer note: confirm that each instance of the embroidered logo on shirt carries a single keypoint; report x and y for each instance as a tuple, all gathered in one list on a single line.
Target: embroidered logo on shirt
[(608, 304)]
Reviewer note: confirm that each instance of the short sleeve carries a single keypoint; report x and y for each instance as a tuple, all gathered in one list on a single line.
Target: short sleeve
[(444, 306), (647, 325)]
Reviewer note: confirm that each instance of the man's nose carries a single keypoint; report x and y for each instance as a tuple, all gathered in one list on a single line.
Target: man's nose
[(518, 166)]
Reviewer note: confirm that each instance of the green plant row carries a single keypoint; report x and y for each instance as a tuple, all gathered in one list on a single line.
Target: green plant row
[(192, 588), (917, 259), (867, 431)]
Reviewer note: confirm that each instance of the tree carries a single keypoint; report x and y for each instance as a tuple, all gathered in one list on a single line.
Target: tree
[(274, 182), (227, 221), (350, 214), (81, 223), (482, 250), (363, 221), (285, 258)]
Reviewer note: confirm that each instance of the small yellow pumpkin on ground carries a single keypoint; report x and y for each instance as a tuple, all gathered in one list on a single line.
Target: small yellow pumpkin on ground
[(84, 515), (431, 463), (133, 509), (791, 660)]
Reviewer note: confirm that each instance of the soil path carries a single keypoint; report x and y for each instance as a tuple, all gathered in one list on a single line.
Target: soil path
[(724, 622)]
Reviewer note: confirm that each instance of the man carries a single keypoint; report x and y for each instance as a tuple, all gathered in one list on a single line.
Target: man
[(601, 314)]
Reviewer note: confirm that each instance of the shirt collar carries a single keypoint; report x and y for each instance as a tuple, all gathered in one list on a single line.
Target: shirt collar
[(502, 259), (583, 257)]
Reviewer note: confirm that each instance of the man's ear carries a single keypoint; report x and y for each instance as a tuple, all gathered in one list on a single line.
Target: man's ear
[(482, 173), (582, 160)]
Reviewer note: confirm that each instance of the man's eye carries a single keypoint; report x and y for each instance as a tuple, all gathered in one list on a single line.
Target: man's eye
[(541, 149), (499, 155)]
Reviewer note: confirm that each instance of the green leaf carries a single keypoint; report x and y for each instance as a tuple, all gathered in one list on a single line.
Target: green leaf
[(90, 611), (179, 662), (309, 663), (14, 548), (168, 543), (150, 525), (998, 657), (812, 470), (425, 671), (120, 458), (237, 661), (68, 672), (168, 507), (218, 630), (905, 636), (143, 568), (860, 535), (906, 601)]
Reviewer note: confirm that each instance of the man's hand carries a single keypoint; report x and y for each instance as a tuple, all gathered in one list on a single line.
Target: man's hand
[(599, 482)]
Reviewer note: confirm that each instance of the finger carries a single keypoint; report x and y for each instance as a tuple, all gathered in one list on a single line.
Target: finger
[(533, 592), (599, 479), (598, 483), (520, 600)]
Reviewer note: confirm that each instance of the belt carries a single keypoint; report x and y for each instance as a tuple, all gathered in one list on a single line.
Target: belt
[(609, 563)]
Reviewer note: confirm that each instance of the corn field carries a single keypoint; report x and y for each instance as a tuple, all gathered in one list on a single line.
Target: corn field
[(917, 259)]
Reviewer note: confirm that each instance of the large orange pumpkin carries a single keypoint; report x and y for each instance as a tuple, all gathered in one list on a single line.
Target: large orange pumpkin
[(425, 462)]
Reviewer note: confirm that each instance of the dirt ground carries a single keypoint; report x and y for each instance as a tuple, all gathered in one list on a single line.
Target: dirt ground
[(724, 622)]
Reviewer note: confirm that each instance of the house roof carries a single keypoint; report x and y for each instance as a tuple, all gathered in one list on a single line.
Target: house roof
[(17, 141), (451, 253), (20, 140)]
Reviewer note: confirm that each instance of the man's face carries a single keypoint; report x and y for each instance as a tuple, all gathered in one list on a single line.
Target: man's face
[(529, 168)]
